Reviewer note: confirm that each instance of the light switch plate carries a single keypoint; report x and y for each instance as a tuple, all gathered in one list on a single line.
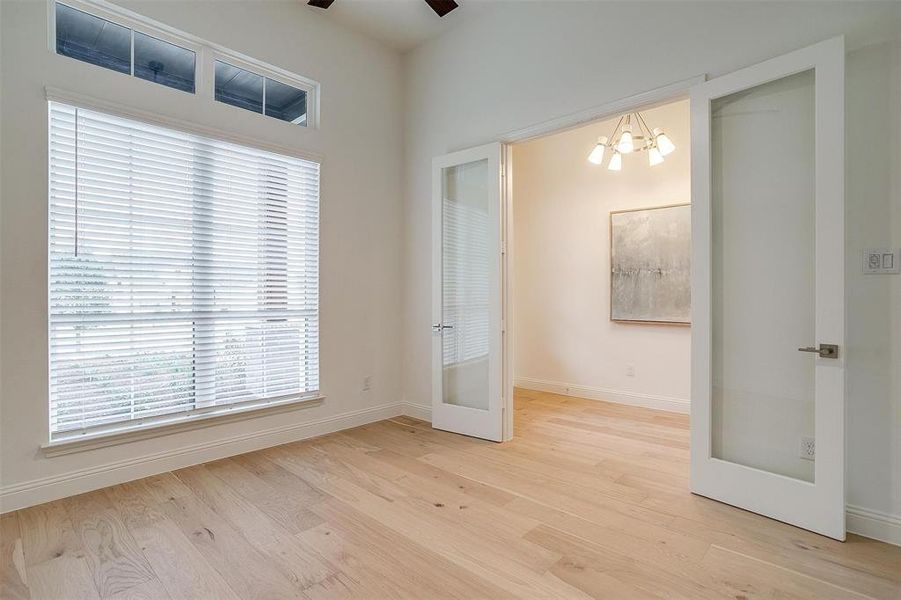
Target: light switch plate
[(881, 260)]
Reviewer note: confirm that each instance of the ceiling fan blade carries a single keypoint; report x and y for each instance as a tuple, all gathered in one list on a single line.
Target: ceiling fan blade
[(320, 3), (442, 7)]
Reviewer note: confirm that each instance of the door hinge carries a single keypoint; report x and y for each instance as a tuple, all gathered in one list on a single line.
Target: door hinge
[(503, 247)]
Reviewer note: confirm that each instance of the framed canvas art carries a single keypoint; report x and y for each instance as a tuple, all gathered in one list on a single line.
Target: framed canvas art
[(650, 265)]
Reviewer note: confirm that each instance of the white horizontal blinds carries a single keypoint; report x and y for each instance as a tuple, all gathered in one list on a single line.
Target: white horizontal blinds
[(466, 262), (183, 272)]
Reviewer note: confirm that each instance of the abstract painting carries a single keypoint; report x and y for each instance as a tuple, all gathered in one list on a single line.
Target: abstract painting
[(650, 265)]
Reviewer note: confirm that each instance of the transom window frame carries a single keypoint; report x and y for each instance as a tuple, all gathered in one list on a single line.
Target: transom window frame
[(206, 54)]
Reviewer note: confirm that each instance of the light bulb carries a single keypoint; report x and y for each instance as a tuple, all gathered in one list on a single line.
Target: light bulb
[(665, 144), (626, 145), (597, 154), (654, 156), (616, 163)]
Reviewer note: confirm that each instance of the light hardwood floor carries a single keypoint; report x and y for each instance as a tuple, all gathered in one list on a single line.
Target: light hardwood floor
[(589, 500)]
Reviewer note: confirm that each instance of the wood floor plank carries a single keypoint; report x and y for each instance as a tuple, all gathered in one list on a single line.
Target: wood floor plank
[(409, 505), (646, 541), (248, 572), (464, 509), (591, 499), (278, 478), (581, 555), (55, 561), (384, 564), (571, 496), (182, 570), (66, 577), (13, 578), (113, 556), (149, 590), (135, 502), (481, 491), (754, 577), (299, 563), (499, 560), (291, 510), (47, 533), (340, 586)]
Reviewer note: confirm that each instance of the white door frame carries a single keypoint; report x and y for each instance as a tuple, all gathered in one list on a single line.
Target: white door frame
[(672, 92), (817, 506)]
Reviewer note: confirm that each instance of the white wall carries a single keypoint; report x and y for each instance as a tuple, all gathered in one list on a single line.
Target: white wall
[(361, 143), (873, 320), (528, 62), (564, 337)]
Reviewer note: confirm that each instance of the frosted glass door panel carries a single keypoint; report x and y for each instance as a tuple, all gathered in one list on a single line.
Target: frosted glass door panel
[(763, 284), (466, 284)]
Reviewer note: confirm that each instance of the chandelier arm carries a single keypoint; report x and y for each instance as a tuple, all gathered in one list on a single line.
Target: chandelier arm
[(650, 136), (615, 129)]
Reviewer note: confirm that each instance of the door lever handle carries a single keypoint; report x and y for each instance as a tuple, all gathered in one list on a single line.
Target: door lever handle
[(825, 350)]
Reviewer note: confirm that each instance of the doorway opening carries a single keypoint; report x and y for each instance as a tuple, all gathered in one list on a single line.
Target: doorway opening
[(601, 287)]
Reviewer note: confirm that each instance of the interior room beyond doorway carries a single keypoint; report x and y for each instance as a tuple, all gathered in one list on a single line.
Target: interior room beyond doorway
[(580, 331)]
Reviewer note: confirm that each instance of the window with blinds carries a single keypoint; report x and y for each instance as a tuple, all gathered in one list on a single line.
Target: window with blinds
[(184, 274)]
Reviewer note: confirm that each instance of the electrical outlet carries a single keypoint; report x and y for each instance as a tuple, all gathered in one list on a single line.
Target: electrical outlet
[(630, 370), (367, 383), (808, 448)]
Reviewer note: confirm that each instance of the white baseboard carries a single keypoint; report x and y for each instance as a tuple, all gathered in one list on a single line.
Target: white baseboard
[(38, 491), (418, 411), (679, 405), (874, 524)]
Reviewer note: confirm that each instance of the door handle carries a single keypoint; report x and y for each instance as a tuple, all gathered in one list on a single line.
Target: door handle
[(825, 350), (438, 327)]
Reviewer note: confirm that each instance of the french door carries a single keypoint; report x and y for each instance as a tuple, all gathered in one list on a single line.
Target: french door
[(768, 397), (467, 278)]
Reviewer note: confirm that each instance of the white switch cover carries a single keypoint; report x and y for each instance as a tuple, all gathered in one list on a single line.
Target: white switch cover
[(881, 260)]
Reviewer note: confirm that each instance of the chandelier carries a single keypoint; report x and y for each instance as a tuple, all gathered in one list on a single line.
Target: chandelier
[(654, 141)]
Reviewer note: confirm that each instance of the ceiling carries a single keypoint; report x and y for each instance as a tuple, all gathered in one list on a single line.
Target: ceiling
[(400, 24)]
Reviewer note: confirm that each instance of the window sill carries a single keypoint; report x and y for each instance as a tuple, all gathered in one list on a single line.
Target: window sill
[(82, 442)]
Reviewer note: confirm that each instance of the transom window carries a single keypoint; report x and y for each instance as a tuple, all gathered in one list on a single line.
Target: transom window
[(248, 90), (97, 41), (184, 274), (112, 38)]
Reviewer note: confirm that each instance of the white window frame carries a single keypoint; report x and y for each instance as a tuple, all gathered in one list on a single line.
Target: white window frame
[(151, 427), (206, 53)]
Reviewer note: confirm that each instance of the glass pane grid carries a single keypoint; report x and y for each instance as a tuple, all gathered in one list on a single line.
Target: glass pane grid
[(94, 40), (248, 90), (101, 42)]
